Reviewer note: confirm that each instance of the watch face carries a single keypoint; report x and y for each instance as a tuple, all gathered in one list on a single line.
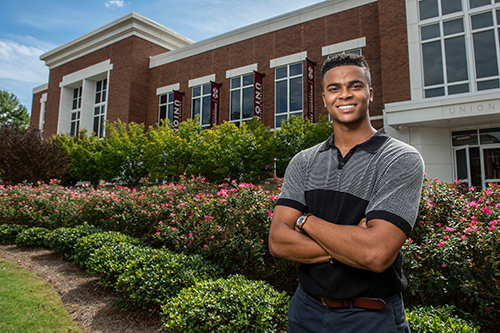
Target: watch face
[(300, 220)]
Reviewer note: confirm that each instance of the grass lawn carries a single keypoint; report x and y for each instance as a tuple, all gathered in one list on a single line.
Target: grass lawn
[(28, 304)]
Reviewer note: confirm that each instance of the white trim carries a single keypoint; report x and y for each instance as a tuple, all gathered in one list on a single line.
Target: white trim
[(280, 22), (86, 73), (167, 89), (344, 46), (289, 59), (129, 25), (41, 88), (201, 80), (241, 71)]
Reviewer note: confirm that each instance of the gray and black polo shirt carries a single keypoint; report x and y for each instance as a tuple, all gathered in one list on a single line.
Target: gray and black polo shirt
[(380, 178)]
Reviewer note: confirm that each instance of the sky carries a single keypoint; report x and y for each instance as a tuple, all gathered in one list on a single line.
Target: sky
[(29, 28)]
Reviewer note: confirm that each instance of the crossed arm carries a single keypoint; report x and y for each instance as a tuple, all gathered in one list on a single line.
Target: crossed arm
[(371, 245)]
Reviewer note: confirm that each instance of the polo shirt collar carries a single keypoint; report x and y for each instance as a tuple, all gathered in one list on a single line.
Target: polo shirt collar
[(371, 145)]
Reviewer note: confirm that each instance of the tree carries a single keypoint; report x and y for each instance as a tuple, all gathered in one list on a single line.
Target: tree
[(12, 112), (25, 156)]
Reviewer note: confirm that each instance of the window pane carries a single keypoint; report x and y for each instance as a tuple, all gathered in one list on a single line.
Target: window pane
[(482, 20), (491, 163), (235, 82), (72, 130), (428, 9), (196, 107), (475, 167), (97, 98), (248, 102), (451, 6), (430, 31), (458, 89), (163, 112), (105, 84), (281, 72), (235, 105), (489, 135), (462, 138), (247, 80), (205, 120), (98, 86), (279, 120), (456, 60), (296, 69), (207, 88), (429, 93), (163, 99), (171, 97), (478, 3), (281, 97), (498, 14), (103, 96), (296, 94), (485, 54), (75, 104), (196, 91), (95, 129), (461, 160), (486, 85), (75, 93), (170, 114), (453, 27), (96, 111), (433, 67)]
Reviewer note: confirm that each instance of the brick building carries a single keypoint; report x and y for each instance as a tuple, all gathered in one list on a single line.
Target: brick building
[(434, 66)]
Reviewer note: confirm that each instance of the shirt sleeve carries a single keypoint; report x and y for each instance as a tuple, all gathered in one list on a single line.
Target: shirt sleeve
[(396, 196), (292, 190)]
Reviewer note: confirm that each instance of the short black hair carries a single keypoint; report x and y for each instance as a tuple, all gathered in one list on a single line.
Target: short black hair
[(346, 59)]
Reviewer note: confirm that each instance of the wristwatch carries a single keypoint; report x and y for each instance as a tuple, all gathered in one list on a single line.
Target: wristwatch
[(302, 220)]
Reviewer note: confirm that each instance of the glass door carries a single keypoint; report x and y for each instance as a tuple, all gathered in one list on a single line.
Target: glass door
[(491, 164)]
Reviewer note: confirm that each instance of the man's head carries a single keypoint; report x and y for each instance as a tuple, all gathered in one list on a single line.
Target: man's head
[(346, 59)]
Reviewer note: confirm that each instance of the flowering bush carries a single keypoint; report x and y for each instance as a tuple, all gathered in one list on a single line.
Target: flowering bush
[(438, 319), (454, 255)]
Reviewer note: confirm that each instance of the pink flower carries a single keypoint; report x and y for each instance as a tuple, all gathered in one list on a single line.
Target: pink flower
[(157, 233), (487, 211), (270, 214), (441, 243), (190, 234)]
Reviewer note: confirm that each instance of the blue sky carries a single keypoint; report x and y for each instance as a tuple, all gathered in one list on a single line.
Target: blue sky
[(29, 28)]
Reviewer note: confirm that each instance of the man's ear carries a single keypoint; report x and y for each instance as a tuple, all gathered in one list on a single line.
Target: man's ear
[(371, 94)]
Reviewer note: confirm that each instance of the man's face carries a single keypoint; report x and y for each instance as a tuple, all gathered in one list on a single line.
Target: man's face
[(347, 94)]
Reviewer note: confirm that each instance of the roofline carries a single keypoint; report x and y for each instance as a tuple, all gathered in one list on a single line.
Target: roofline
[(295, 17), (132, 24)]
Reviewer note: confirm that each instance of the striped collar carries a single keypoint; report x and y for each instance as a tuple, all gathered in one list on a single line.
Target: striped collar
[(371, 145)]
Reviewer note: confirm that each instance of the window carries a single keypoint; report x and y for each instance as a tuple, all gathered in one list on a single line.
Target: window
[(477, 156), (166, 108), (201, 104), (459, 46), (100, 107), (288, 92), (241, 99), (76, 110)]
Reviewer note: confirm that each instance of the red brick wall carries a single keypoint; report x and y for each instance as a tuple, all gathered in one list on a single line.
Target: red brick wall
[(36, 109), (310, 36)]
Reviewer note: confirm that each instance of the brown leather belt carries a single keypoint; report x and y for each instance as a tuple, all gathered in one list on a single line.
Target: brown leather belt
[(364, 303)]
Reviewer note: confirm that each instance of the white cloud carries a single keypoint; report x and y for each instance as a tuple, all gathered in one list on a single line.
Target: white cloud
[(115, 3), (21, 62)]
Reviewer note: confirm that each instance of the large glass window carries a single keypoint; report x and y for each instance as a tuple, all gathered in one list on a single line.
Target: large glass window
[(201, 104), (288, 92), (477, 156), (101, 88), (459, 46), (76, 110), (166, 108), (241, 99)]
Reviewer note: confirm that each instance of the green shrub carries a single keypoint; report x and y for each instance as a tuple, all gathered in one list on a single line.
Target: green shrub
[(63, 240), (9, 232), (454, 255), (112, 259), (33, 237), (155, 276), (439, 320), (235, 304), (87, 245)]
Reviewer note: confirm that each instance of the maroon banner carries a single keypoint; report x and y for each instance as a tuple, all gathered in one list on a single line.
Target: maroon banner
[(177, 112), (258, 94), (310, 90), (214, 104)]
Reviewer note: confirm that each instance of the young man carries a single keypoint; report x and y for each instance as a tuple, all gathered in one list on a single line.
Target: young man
[(346, 208)]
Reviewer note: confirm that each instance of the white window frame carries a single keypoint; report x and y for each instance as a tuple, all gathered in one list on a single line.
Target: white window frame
[(202, 84), (415, 45), (76, 111), (240, 73), (100, 107)]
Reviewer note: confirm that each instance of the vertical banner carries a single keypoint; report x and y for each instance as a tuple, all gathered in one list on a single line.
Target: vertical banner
[(310, 90), (258, 95), (177, 110), (214, 104)]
